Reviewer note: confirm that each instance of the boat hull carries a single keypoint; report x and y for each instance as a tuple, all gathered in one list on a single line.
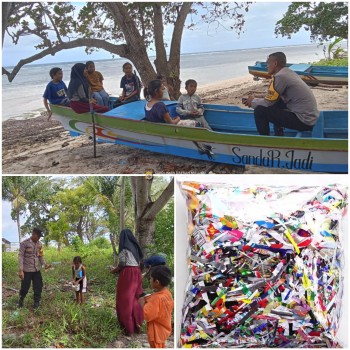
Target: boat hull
[(314, 155), (312, 75)]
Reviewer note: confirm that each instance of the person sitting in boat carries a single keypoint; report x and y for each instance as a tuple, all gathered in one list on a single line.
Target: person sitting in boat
[(168, 90), (289, 102), (190, 106), (80, 94), (56, 91), (95, 80), (155, 109), (131, 85)]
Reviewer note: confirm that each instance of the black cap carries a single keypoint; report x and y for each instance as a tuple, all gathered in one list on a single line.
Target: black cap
[(38, 232), (154, 260)]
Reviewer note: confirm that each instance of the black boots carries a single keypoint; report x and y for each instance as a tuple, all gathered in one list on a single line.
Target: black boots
[(20, 302)]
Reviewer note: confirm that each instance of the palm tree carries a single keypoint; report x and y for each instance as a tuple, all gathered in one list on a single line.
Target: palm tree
[(15, 189), (113, 196)]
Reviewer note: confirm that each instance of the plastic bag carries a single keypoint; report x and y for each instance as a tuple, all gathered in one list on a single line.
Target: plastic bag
[(265, 266)]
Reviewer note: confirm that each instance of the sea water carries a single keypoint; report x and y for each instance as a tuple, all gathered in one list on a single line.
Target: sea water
[(23, 96)]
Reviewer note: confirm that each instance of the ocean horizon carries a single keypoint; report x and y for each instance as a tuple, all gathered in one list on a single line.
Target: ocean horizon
[(205, 67), (183, 54)]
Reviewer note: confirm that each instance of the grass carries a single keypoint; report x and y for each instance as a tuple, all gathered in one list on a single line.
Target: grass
[(59, 322)]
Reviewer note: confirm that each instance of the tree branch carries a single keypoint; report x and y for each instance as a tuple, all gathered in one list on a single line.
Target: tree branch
[(162, 200), (59, 38), (120, 50)]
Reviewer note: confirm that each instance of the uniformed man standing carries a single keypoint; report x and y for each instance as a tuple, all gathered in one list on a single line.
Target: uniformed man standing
[(30, 254)]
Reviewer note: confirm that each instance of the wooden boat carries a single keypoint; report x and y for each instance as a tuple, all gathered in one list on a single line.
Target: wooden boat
[(312, 75), (234, 139)]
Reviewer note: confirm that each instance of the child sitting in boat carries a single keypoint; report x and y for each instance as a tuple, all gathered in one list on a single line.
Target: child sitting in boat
[(190, 106), (130, 84), (56, 91), (80, 94), (95, 80), (168, 90), (156, 110)]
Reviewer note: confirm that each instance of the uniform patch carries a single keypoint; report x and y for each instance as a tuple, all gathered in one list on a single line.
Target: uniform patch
[(272, 95)]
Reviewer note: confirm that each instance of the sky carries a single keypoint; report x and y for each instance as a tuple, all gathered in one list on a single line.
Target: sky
[(258, 32), (9, 227)]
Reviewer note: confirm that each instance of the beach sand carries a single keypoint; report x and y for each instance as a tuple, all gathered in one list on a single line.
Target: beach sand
[(38, 146)]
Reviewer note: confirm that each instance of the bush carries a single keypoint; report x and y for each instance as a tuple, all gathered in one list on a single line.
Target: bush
[(335, 62), (101, 243), (77, 243)]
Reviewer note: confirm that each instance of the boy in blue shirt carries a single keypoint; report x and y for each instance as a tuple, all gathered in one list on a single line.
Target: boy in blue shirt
[(56, 91)]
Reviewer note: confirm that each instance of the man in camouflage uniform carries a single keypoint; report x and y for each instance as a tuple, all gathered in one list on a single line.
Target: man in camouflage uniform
[(30, 254)]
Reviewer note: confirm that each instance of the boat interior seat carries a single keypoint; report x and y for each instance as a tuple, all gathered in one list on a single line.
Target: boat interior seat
[(330, 124), (300, 67)]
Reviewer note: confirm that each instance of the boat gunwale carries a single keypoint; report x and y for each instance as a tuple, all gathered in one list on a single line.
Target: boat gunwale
[(210, 133)]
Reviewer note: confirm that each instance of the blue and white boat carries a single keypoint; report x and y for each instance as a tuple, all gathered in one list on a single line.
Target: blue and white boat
[(233, 140), (312, 75)]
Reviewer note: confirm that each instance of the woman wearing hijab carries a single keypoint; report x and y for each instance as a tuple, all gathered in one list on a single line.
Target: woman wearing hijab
[(129, 285), (79, 93)]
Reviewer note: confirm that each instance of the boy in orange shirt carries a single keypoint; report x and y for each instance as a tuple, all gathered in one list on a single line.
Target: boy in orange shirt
[(95, 79), (158, 307)]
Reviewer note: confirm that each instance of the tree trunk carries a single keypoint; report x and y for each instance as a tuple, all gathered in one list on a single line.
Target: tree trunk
[(18, 226), (135, 48), (122, 204), (145, 229), (7, 10), (80, 229), (146, 210), (111, 237), (161, 61), (175, 48)]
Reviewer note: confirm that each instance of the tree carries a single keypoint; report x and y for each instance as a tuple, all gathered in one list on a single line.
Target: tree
[(113, 198), (324, 20), (73, 213), (146, 209), (16, 189), (39, 204), (124, 29)]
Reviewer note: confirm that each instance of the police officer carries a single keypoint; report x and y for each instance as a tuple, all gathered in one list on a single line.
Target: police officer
[(30, 254)]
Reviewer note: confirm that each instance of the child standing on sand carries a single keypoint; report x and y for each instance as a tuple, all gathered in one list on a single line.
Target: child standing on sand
[(158, 307), (56, 91), (79, 279), (95, 80), (190, 105)]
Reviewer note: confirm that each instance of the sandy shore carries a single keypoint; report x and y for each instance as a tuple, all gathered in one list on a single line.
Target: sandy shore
[(38, 146)]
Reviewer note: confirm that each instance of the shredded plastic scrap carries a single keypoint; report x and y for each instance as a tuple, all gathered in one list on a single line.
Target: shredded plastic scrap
[(265, 266)]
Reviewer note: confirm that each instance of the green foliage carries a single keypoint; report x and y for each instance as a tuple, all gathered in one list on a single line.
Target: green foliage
[(101, 243), (164, 242), (19, 190), (333, 62), (59, 322), (333, 50), (76, 243), (324, 20)]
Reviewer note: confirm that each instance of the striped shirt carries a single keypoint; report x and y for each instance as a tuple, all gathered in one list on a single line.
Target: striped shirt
[(126, 258), (30, 254)]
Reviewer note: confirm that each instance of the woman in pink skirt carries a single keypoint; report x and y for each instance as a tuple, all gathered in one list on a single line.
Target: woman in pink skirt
[(129, 285)]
